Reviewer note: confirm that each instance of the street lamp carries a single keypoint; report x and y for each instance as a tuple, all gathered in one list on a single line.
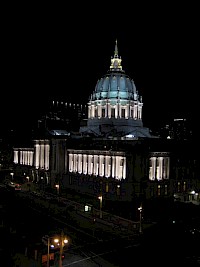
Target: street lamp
[(12, 173), (140, 210), (48, 245), (57, 187), (60, 242), (100, 205)]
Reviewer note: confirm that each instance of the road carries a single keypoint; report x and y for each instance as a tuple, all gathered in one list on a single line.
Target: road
[(27, 220)]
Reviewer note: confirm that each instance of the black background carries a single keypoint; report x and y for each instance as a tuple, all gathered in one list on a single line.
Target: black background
[(60, 51)]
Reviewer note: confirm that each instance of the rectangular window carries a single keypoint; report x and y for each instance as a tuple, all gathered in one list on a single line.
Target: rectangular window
[(159, 191), (112, 112), (179, 186), (103, 112), (96, 113), (166, 190), (107, 187), (123, 113), (131, 113), (184, 186)]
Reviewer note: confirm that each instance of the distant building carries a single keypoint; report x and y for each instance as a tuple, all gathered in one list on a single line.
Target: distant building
[(112, 154), (180, 129), (177, 129), (62, 115)]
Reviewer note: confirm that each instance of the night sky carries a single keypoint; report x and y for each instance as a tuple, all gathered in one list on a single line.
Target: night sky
[(61, 52)]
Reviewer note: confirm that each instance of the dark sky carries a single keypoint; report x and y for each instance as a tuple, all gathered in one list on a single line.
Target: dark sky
[(61, 52)]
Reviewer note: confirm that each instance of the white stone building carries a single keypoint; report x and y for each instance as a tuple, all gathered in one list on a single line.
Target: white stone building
[(113, 155)]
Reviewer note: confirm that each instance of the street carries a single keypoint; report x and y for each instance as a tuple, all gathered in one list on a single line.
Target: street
[(26, 221)]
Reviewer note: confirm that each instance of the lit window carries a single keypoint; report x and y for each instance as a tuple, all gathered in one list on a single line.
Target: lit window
[(103, 112), (123, 113), (179, 186), (166, 190), (131, 113), (158, 190), (112, 112), (107, 187), (184, 186)]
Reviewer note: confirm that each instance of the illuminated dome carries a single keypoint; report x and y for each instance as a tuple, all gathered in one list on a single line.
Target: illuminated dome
[(115, 107), (115, 84)]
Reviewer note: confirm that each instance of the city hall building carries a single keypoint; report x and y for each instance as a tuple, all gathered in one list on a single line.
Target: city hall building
[(112, 154)]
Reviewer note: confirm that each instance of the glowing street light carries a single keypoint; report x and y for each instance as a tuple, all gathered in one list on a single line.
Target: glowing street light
[(100, 205), (57, 187), (12, 174), (60, 242), (140, 210)]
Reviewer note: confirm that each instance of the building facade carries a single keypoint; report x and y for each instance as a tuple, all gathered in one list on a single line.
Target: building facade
[(113, 155)]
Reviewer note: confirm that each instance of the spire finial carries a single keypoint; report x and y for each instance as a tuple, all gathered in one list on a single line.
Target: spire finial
[(116, 60), (116, 49)]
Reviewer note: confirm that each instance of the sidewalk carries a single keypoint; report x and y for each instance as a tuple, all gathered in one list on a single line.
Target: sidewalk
[(24, 261)]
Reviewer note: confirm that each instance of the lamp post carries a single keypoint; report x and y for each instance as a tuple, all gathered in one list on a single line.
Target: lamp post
[(12, 173), (62, 241), (140, 210), (61, 249), (100, 206), (48, 245), (57, 187)]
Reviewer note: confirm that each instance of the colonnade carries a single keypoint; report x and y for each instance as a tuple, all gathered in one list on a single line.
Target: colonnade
[(98, 164), (159, 168), (23, 156), (102, 109)]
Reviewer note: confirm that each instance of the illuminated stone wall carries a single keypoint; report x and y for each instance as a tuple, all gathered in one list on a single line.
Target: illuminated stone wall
[(41, 156), (115, 109), (159, 167), (99, 163), (23, 156)]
